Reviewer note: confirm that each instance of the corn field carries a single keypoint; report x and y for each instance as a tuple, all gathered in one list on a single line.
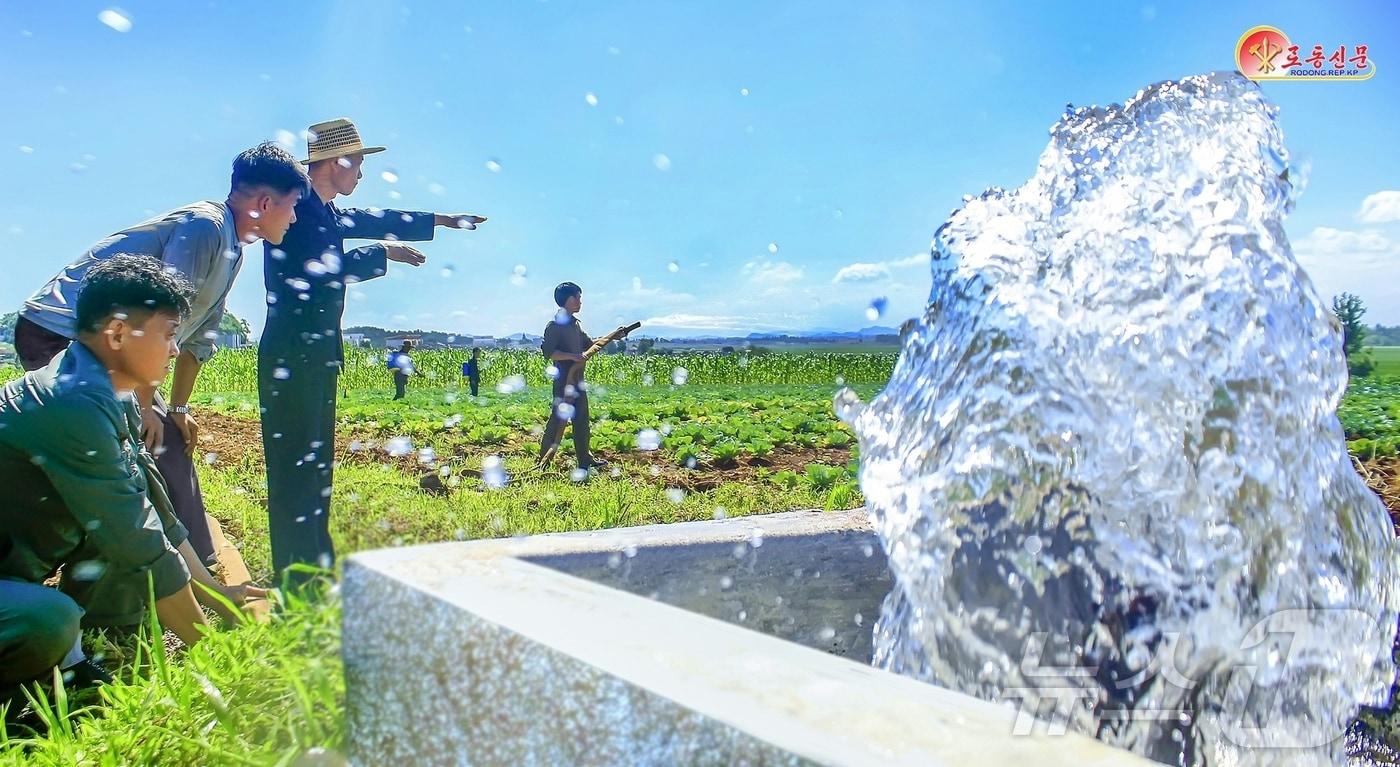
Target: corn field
[(236, 369)]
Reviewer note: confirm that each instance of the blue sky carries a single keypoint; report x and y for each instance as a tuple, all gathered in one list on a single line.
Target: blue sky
[(800, 139)]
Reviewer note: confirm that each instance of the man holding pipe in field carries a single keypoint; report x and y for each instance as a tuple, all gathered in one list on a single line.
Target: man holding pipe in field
[(300, 355)]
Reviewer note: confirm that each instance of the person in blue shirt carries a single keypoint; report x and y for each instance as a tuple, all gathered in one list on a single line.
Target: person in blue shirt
[(402, 365), (300, 354), (471, 370)]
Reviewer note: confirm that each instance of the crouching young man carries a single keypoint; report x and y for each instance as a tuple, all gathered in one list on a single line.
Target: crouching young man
[(80, 494)]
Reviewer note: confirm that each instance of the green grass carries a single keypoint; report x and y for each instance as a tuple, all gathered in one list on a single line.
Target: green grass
[(265, 694), (1387, 361)]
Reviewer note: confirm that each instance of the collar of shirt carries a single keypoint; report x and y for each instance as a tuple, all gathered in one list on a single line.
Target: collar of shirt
[(231, 243)]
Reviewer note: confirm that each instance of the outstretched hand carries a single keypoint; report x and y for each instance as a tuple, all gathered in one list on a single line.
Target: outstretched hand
[(459, 220), (405, 255)]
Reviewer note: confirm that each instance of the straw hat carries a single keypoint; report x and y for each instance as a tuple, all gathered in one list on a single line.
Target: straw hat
[(335, 138)]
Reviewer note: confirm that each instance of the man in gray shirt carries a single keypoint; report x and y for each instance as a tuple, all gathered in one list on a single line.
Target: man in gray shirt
[(203, 241)]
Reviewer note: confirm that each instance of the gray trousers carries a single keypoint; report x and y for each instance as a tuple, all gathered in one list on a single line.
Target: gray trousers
[(553, 430)]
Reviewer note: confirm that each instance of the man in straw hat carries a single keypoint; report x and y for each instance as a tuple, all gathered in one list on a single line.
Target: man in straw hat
[(300, 354)]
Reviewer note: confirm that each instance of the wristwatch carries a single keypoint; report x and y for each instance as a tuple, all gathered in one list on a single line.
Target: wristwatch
[(181, 409)]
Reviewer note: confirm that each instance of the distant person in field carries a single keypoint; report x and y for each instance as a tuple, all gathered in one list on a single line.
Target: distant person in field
[(300, 355), (202, 241), (563, 345), (402, 365), (471, 370), (81, 495)]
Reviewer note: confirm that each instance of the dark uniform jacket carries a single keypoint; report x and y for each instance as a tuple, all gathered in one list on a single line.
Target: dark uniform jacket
[(78, 490), (306, 275)]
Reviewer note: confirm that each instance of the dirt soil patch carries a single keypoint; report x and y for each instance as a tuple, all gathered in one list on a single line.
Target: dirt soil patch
[(1383, 476), (234, 440)]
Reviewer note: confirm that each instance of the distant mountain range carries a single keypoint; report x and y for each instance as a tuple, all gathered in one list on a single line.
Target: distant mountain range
[(822, 333)]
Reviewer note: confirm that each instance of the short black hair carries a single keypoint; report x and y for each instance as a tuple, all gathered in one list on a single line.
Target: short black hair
[(564, 291), (137, 286), (271, 166)]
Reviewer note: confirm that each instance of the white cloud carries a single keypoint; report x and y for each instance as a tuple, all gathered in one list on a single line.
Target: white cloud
[(1325, 244), (868, 272), (681, 321), (772, 274), (861, 272), (1380, 208), (918, 259)]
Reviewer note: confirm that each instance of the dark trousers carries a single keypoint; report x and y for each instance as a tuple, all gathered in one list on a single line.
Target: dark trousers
[(475, 381), (553, 430), (36, 347), (38, 626), (182, 482), (400, 381), (298, 433)]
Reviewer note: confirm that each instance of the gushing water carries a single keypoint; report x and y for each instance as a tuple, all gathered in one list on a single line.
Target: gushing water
[(1108, 471)]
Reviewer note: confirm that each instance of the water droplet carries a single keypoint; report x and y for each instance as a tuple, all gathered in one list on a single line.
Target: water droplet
[(511, 384), (493, 472), (647, 380), (437, 189), (679, 376), (281, 374), (661, 161), (493, 166), (721, 512), (210, 458), (648, 440), (398, 446), (743, 91), (427, 455), (826, 634), (726, 582), (115, 19), (390, 176), (673, 267), (876, 308), (579, 475), (590, 99), (89, 570), (675, 495), (565, 411), (1033, 544), (26, 149), (447, 271), (772, 247)]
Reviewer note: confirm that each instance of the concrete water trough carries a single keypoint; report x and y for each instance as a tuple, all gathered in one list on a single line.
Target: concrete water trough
[(738, 641)]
